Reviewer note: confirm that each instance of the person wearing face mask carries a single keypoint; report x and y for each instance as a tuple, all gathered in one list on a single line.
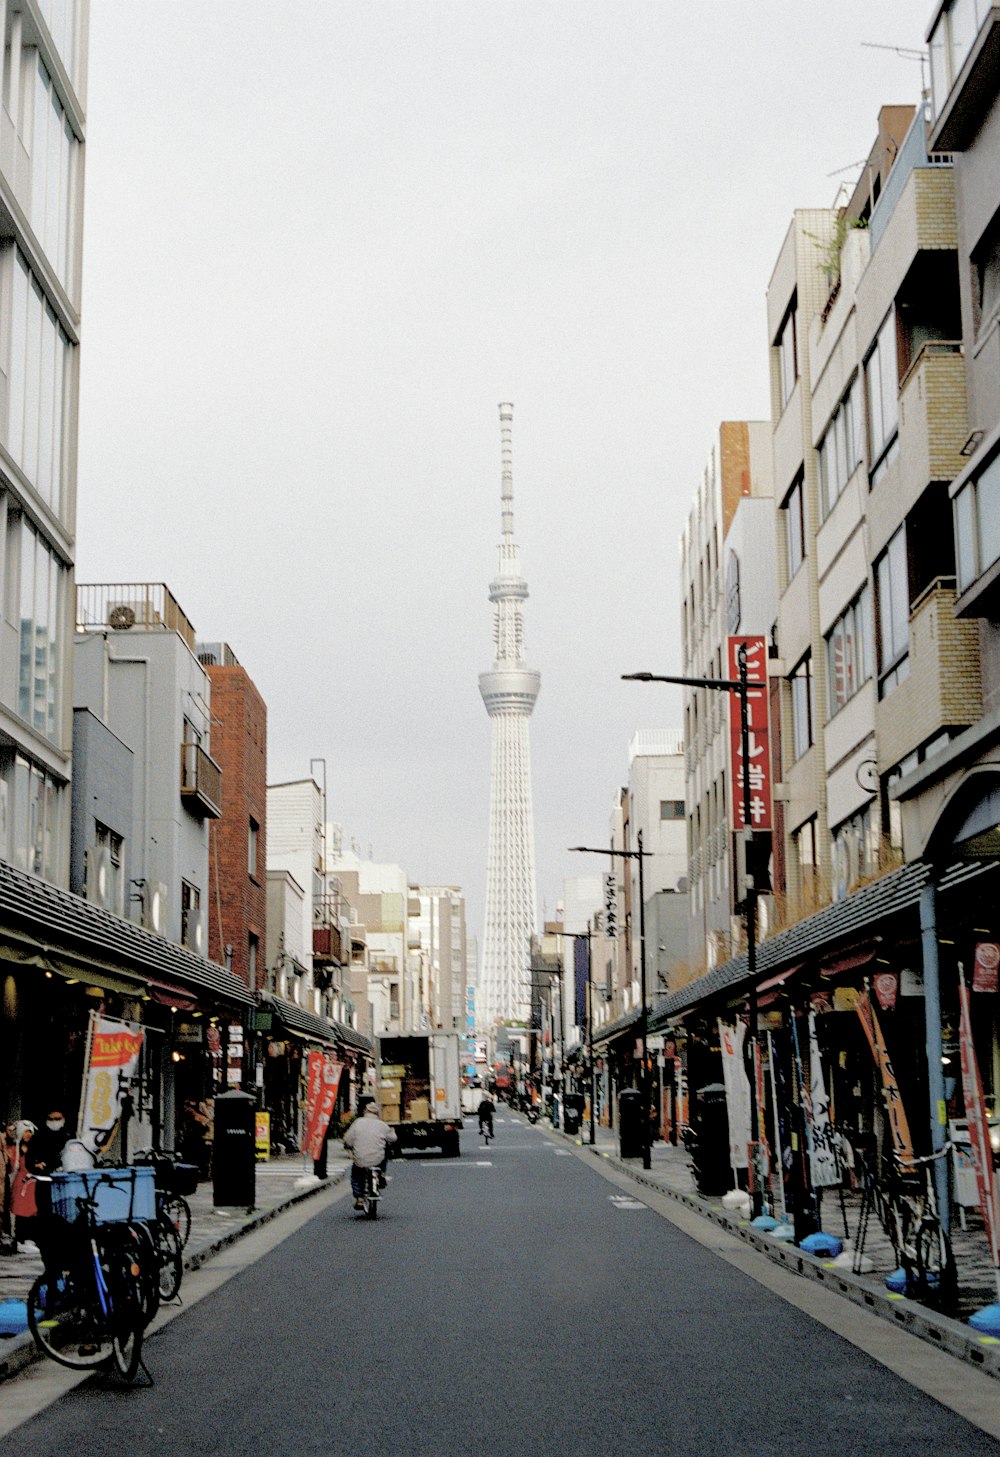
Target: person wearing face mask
[(45, 1149)]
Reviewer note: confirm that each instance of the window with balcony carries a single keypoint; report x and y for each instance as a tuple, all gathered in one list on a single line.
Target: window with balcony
[(856, 850), (802, 706), (793, 507), (842, 448), (806, 851), (951, 41), (849, 652), (892, 589), (882, 392), (788, 353)]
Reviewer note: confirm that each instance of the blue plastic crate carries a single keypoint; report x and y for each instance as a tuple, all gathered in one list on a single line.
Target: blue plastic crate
[(13, 1317), (131, 1195)]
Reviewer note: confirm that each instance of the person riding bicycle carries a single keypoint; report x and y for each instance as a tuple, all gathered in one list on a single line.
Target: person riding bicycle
[(368, 1139), (486, 1111)]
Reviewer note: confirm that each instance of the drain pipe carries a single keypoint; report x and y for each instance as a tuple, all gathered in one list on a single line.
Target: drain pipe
[(935, 1071)]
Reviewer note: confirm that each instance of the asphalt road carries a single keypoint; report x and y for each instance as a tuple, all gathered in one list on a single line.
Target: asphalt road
[(514, 1301)]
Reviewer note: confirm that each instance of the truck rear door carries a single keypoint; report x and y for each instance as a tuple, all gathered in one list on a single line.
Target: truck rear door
[(446, 1095)]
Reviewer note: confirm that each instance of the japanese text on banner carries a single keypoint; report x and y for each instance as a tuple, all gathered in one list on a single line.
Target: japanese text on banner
[(758, 767)]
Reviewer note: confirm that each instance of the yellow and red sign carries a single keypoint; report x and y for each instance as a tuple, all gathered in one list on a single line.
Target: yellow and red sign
[(112, 1057)]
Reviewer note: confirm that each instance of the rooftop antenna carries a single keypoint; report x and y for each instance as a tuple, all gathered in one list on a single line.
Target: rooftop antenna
[(908, 53)]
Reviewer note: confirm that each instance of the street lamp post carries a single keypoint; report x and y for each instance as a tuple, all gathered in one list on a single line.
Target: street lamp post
[(740, 686), (637, 854)]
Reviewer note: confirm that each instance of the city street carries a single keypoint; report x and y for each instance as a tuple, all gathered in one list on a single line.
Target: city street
[(525, 1298)]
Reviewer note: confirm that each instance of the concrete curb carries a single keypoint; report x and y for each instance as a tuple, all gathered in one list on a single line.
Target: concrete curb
[(21, 1351), (959, 1340)]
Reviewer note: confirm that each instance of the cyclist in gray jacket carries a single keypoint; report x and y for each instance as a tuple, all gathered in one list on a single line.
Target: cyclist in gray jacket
[(368, 1139)]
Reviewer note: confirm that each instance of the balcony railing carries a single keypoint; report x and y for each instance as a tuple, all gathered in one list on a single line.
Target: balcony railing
[(327, 946), (201, 782), (126, 605)]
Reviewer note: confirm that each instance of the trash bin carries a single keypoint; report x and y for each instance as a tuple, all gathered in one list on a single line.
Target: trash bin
[(630, 1123), (234, 1165), (572, 1112), (712, 1172)]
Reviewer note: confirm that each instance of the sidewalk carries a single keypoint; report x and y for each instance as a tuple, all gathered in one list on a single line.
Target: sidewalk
[(670, 1174), (280, 1183)]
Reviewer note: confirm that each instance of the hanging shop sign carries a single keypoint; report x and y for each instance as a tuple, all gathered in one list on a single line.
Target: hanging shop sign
[(111, 1059), (756, 773), (822, 1152), (984, 968), (262, 1135), (886, 984)]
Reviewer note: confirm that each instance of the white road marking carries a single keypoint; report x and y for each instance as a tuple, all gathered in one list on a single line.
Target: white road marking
[(622, 1201)]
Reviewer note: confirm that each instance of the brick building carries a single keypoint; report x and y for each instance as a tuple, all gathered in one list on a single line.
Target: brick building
[(237, 898)]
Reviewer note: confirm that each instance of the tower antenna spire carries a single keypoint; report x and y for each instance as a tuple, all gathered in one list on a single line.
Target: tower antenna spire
[(509, 692)]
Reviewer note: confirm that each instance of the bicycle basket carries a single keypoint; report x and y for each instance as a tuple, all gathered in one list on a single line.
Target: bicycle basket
[(121, 1193)]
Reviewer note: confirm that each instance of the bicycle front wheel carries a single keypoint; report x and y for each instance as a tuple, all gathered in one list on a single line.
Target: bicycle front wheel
[(125, 1317), (176, 1211), (64, 1325), (169, 1258)]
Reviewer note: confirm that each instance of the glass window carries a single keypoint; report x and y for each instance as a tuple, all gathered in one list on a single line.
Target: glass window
[(849, 652), (882, 380), (34, 807), (39, 351), (893, 614), (788, 354), (988, 513), (252, 847), (671, 809), (52, 152), (842, 448), (60, 17), (965, 536), (802, 706), (795, 533), (39, 666)]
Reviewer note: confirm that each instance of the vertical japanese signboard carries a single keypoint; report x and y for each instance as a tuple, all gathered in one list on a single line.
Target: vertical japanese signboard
[(757, 769), (112, 1057), (610, 906)]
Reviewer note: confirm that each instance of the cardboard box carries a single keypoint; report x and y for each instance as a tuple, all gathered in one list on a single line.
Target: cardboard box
[(390, 1113), (419, 1110), (393, 1070), (391, 1084)]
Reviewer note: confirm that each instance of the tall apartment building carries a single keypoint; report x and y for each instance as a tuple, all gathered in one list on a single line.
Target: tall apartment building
[(728, 586), (42, 121), (438, 938), (237, 899), (950, 799)]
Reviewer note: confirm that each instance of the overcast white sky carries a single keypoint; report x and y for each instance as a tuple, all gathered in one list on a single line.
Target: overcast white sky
[(324, 240)]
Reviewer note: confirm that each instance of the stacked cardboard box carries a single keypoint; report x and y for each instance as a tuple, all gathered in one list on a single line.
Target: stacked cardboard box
[(390, 1092)]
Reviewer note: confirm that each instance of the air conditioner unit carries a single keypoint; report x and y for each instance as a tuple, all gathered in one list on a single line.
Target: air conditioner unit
[(154, 906), (97, 875)]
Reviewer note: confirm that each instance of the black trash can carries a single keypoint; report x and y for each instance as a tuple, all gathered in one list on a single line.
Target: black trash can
[(234, 1164), (630, 1123), (572, 1112), (712, 1171)]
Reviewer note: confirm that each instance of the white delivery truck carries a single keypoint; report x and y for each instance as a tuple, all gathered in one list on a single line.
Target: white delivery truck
[(419, 1089)]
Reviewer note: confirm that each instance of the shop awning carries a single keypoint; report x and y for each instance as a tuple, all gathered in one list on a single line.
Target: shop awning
[(61, 926), (298, 1021), (848, 960), (350, 1037), (171, 996)]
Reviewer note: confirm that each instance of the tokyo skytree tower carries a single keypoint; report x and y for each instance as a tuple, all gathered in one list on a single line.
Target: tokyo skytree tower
[(509, 691)]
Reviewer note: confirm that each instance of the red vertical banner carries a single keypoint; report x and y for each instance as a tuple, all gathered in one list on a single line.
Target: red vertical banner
[(322, 1081), (979, 1128), (984, 968), (757, 770)]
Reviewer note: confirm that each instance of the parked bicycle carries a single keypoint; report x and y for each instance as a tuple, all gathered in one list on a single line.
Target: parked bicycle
[(90, 1307), (174, 1180), (907, 1209)]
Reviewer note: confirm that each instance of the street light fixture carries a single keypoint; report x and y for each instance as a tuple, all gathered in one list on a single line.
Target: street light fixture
[(741, 687), (637, 854)]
